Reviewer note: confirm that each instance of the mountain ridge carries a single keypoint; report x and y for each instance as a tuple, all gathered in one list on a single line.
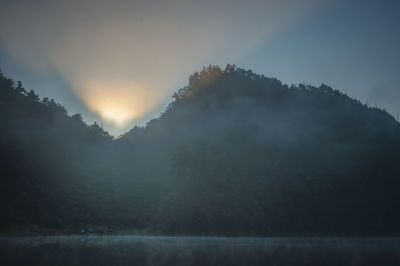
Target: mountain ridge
[(235, 153)]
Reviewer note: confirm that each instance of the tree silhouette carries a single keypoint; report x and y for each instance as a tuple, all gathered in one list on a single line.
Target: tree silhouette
[(234, 153)]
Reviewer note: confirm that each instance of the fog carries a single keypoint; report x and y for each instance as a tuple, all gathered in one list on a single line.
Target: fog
[(123, 59), (236, 169), (193, 251)]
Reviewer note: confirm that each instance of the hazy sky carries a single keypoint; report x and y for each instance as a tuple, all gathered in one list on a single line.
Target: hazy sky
[(120, 61)]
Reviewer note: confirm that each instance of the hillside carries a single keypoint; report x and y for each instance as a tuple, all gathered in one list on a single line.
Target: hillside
[(235, 153), (42, 151)]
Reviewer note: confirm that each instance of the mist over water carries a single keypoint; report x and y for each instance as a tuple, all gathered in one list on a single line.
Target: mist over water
[(154, 250), (237, 168)]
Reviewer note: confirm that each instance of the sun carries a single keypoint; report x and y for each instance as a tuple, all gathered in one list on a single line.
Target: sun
[(117, 115), (118, 101)]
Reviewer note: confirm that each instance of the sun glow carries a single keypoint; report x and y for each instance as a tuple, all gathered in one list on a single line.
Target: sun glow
[(116, 114), (123, 58), (118, 102)]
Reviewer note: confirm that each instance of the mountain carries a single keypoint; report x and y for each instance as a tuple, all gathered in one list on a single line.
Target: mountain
[(235, 153), (41, 152)]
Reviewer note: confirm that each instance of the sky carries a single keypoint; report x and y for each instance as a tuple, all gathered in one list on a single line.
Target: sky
[(118, 62)]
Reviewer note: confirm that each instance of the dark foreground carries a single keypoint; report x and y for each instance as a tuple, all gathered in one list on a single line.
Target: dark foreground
[(148, 250)]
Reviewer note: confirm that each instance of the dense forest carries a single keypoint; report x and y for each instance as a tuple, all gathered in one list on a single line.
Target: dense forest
[(234, 153)]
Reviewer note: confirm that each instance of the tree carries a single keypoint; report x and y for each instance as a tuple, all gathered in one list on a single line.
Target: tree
[(20, 88), (77, 118), (230, 68), (33, 96), (194, 78), (98, 130)]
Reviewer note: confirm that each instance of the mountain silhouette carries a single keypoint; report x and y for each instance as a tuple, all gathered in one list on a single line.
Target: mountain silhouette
[(234, 153)]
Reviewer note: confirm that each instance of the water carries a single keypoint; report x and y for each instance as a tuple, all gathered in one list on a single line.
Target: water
[(160, 250)]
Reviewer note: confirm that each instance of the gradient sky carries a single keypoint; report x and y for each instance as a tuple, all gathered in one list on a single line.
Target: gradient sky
[(118, 62)]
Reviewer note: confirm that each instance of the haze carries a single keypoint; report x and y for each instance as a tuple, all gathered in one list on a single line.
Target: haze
[(120, 61)]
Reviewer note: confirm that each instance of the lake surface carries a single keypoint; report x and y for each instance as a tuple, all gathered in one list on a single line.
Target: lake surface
[(160, 250)]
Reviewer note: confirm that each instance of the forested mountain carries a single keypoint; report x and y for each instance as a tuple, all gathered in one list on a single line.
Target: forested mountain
[(234, 153), (43, 153)]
